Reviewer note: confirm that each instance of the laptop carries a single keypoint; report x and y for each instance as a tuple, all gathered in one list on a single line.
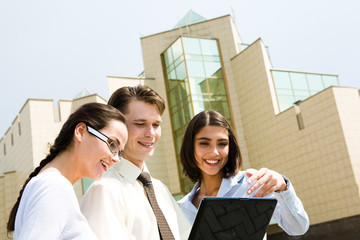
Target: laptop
[(232, 218)]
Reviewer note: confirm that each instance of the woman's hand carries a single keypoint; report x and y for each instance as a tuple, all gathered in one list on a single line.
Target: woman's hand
[(270, 181)]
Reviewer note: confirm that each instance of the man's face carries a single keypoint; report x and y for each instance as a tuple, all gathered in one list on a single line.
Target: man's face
[(144, 131)]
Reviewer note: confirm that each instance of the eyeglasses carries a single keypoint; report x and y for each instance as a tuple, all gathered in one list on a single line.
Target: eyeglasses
[(112, 145)]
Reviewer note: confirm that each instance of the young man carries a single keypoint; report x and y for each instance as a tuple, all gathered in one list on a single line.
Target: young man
[(118, 206)]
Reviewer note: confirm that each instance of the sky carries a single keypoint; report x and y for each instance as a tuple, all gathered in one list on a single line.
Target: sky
[(52, 49)]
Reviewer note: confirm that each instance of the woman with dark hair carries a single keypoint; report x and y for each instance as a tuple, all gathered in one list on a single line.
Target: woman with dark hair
[(211, 158), (89, 143)]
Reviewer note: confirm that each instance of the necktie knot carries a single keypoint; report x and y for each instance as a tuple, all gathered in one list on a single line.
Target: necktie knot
[(145, 178)]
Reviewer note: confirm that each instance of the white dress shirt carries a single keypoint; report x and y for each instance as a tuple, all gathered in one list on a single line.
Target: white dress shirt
[(117, 207), (49, 209), (289, 212)]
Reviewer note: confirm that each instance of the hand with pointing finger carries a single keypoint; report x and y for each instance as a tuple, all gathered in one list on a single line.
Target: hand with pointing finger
[(269, 181)]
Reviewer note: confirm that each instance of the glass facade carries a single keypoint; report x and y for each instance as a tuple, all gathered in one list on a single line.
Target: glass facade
[(294, 86), (194, 82)]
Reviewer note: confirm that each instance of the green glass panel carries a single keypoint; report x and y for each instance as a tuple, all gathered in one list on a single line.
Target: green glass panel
[(168, 57), (199, 106), (86, 182), (179, 60), (191, 45), (197, 85), (172, 76), (217, 86), (177, 49), (302, 92), (330, 81), (211, 58), (209, 47), (219, 74), (195, 68), (284, 91), (281, 79), (194, 57), (300, 97), (181, 71), (315, 82), (211, 68), (298, 80), (285, 101)]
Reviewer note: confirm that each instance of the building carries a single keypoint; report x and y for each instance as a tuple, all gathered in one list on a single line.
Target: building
[(303, 125), (25, 144)]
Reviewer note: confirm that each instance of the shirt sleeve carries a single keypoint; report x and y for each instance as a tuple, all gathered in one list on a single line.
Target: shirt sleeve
[(103, 209), (289, 213)]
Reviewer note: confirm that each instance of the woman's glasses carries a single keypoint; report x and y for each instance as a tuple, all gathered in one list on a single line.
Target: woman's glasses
[(112, 145)]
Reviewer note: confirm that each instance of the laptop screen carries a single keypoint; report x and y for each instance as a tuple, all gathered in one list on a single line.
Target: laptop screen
[(232, 218)]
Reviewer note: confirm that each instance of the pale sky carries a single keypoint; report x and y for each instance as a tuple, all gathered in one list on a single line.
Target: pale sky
[(52, 49)]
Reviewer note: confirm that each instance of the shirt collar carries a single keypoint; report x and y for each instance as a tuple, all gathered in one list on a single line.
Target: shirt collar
[(128, 170)]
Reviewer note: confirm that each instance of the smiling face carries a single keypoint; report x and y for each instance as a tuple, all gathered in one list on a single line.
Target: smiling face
[(144, 131), (211, 149), (99, 157)]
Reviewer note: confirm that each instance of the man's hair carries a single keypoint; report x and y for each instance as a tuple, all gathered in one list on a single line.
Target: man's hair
[(122, 97)]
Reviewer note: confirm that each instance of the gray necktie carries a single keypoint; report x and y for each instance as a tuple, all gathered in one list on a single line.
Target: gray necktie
[(164, 229)]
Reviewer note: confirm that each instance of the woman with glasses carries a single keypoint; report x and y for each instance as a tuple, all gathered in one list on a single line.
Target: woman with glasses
[(89, 143)]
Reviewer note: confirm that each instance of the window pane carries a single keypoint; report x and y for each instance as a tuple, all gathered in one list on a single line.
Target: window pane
[(285, 101), (209, 47), (195, 69), (298, 81), (281, 79), (191, 45), (315, 82), (217, 86), (211, 68), (330, 81), (181, 71), (177, 49), (198, 85)]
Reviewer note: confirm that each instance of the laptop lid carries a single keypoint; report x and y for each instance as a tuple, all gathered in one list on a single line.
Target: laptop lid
[(232, 218)]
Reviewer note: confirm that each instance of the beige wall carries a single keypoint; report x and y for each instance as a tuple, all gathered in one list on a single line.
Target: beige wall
[(322, 159)]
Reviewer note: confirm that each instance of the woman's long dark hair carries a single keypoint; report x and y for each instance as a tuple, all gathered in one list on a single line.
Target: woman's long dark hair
[(97, 115), (187, 157)]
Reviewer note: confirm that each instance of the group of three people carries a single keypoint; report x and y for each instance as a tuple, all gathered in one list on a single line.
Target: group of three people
[(116, 206)]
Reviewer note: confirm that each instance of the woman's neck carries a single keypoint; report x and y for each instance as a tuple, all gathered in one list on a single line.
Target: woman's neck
[(65, 165), (210, 185)]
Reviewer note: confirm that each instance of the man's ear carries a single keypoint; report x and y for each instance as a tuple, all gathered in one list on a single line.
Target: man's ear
[(79, 132)]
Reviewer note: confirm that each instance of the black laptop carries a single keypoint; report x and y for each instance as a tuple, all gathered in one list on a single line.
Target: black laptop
[(232, 218)]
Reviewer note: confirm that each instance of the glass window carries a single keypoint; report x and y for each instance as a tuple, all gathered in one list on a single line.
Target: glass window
[(284, 91), (181, 71), (281, 79), (330, 81), (168, 59), (177, 49), (217, 86), (195, 85), (298, 80), (194, 57), (209, 47), (211, 68), (199, 106), (191, 45), (285, 101), (86, 182), (195, 69), (302, 93), (315, 82)]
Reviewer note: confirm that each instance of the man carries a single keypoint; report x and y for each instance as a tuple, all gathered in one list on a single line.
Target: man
[(119, 206)]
